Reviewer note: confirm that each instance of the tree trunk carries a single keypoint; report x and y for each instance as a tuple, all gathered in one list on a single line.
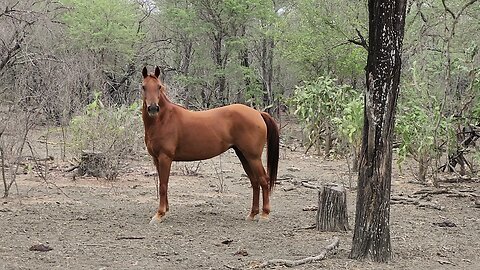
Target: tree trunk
[(267, 72), (332, 213), (422, 170), (356, 157), (372, 231), (220, 61), (328, 140), (245, 63), (185, 68)]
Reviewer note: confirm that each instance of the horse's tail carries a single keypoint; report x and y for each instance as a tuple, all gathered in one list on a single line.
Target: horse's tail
[(273, 145)]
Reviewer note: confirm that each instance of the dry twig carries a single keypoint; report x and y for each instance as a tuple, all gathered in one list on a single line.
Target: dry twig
[(292, 263)]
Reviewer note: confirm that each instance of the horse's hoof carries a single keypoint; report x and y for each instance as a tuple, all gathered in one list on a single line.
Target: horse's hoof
[(157, 219), (264, 217), (250, 217)]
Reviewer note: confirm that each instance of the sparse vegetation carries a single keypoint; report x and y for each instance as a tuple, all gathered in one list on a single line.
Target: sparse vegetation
[(116, 132)]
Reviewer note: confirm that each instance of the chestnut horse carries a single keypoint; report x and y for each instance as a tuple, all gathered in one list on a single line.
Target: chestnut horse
[(173, 133)]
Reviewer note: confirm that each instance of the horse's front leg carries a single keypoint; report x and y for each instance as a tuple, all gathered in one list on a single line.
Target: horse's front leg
[(163, 164)]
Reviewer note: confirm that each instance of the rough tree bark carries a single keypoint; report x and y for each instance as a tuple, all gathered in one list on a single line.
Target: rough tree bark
[(332, 213), (372, 228)]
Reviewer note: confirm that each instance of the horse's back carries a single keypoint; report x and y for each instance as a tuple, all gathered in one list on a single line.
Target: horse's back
[(241, 118), (214, 131)]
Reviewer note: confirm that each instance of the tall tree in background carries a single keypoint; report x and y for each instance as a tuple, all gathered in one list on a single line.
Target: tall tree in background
[(108, 31), (372, 227)]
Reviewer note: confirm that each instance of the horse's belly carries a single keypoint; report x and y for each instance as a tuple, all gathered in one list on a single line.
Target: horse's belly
[(202, 153), (200, 146)]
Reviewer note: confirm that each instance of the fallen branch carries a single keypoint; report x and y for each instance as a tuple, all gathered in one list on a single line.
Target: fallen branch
[(432, 191), (71, 168), (311, 227), (292, 263), (414, 201), (308, 185), (449, 193), (460, 179), (289, 188), (461, 194)]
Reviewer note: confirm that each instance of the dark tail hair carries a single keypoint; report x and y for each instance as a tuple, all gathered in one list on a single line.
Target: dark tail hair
[(273, 145)]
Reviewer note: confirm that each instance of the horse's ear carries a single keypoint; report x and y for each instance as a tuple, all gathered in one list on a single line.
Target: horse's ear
[(157, 71), (145, 72)]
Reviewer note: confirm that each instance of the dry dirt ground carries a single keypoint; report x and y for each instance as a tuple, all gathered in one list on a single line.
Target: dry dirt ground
[(98, 224)]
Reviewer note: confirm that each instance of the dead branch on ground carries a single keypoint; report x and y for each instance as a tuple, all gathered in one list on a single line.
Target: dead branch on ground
[(414, 201), (293, 263)]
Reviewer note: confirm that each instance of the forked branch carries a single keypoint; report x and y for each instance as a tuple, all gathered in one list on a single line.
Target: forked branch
[(293, 263)]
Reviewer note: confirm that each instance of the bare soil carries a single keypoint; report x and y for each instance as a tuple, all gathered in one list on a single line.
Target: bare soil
[(98, 224)]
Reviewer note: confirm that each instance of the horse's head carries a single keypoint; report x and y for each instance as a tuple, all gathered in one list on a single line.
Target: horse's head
[(152, 91)]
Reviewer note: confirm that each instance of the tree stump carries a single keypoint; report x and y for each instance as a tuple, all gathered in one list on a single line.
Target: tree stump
[(93, 164), (332, 213)]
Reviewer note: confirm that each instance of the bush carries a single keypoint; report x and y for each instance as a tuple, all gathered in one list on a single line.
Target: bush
[(349, 126), (113, 131), (317, 104), (421, 128)]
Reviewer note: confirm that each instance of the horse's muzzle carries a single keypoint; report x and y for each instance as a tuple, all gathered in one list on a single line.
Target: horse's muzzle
[(153, 109)]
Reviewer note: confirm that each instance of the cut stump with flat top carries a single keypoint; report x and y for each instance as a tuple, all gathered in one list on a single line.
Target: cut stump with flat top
[(332, 213)]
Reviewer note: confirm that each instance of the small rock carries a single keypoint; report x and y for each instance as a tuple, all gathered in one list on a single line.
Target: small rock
[(40, 247), (227, 242), (241, 252), (310, 208), (446, 223), (150, 173)]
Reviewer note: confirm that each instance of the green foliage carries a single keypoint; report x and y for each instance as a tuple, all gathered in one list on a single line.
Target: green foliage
[(416, 130), (115, 131), (103, 26), (313, 38), (319, 102), (237, 27), (349, 123), (253, 92), (421, 126)]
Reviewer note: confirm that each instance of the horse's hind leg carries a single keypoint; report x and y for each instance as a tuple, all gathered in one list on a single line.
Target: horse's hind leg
[(261, 175), (255, 185)]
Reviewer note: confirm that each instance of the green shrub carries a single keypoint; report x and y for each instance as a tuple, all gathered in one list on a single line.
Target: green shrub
[(349, 125), (421, 128), (317, 104), (115, 131)]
